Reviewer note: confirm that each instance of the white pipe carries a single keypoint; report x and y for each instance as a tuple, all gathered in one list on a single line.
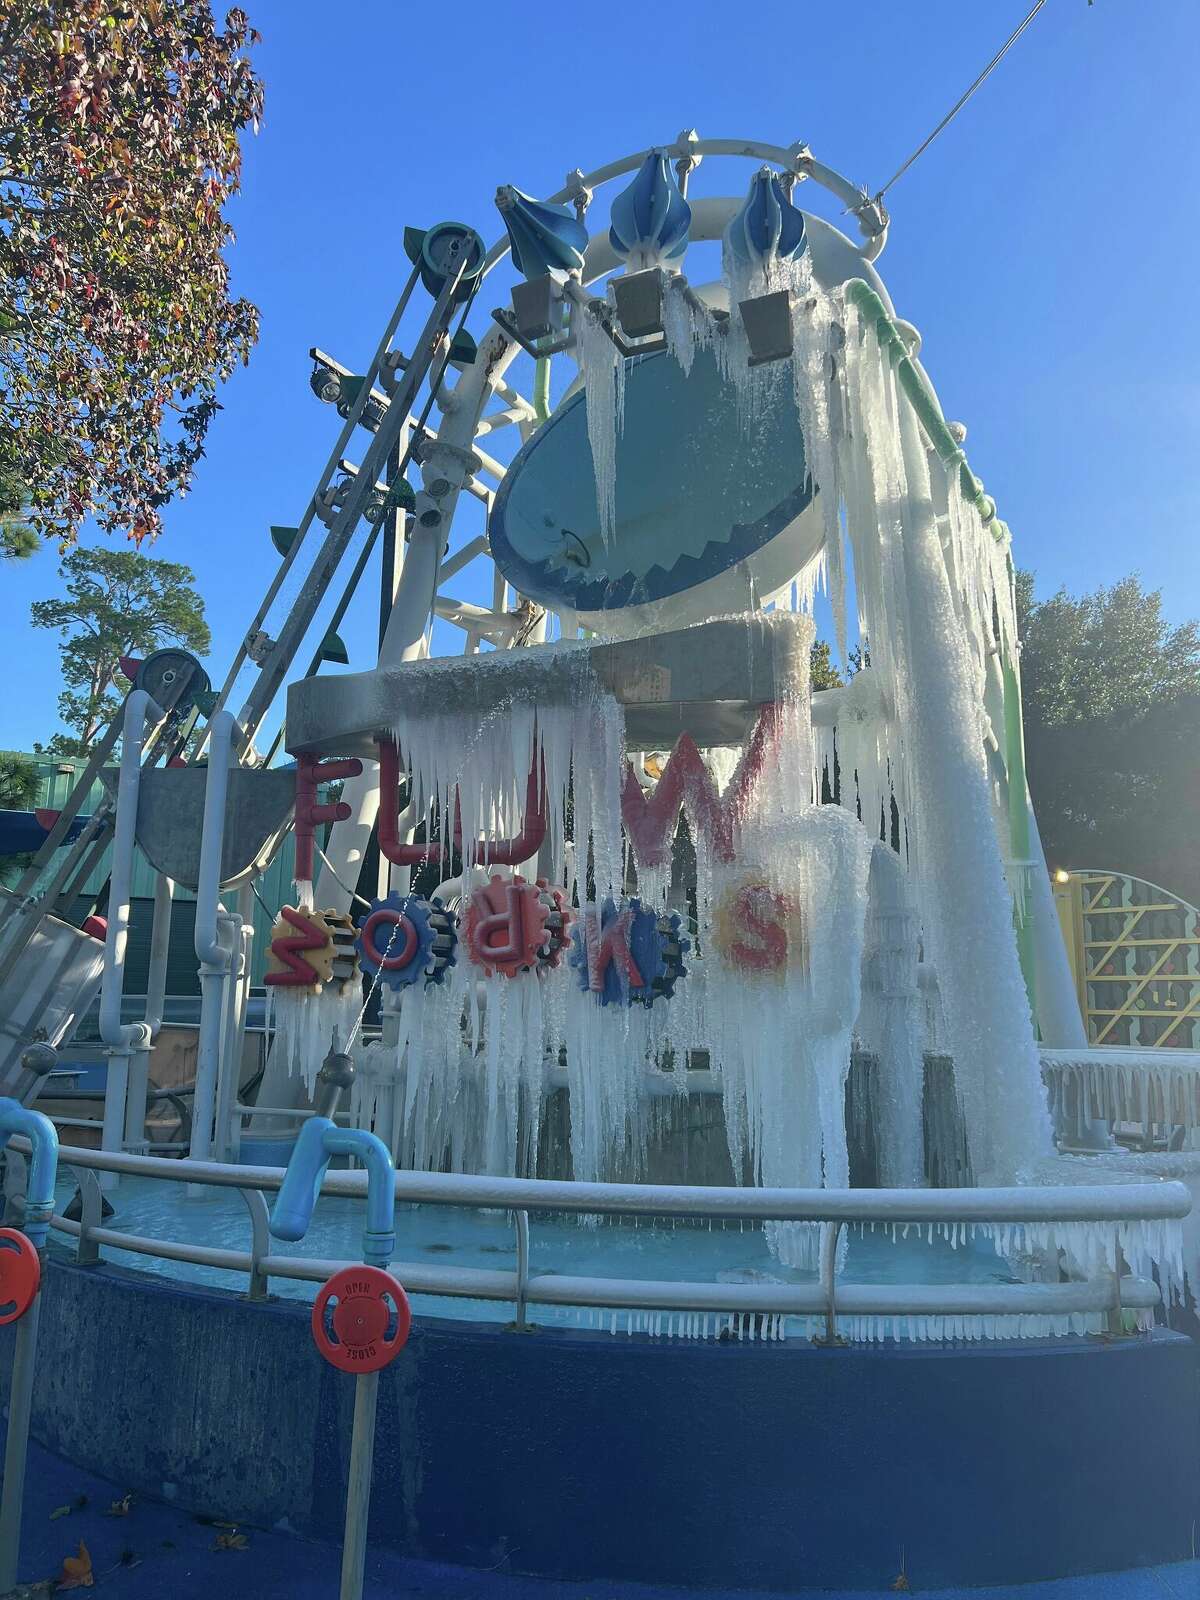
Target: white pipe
[(228, 1070), (117, 1037), (233, 1122), (156, 990), (160, 944), (122, 1039), (212, 954)]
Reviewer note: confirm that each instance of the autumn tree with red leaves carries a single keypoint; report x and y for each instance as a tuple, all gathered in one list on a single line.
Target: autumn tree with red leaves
[(119, 149)]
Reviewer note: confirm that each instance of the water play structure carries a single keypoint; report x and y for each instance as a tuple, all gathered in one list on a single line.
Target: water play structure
[(715, 1025)]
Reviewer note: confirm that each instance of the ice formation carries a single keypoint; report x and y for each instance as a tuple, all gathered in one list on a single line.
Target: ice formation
[(885, 921)]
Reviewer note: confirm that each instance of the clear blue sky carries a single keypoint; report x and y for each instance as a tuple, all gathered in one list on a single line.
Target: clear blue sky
[(1044, 245)]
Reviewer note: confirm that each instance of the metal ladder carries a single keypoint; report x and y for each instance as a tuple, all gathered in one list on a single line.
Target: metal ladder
[(447, 260)]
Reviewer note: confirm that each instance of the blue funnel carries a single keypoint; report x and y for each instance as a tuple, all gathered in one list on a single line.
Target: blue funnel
[(544, 238)]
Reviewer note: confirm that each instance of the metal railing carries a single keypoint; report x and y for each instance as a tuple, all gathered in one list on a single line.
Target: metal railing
[(1106, 1293)]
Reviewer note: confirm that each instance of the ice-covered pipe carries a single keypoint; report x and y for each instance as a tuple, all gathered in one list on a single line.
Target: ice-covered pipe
[(911, 377), (43, 1165), (320, 1140)]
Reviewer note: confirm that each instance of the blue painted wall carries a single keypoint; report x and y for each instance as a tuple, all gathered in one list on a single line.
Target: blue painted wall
[(579, 1455)]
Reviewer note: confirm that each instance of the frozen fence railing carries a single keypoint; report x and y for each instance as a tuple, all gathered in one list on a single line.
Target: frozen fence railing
[(1100, 1229), (1126, 1085)]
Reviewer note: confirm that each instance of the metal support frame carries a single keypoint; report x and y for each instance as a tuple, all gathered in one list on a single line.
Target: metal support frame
[(430, 343)]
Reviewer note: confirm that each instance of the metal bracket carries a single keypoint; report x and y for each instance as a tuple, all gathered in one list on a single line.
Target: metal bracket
[(508, 323)]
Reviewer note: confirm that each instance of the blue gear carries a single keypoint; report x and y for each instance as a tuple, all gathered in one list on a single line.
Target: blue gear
[(445, 940), (436, 940), (657, 948)]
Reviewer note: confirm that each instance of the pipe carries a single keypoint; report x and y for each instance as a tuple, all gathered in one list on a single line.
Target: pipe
[(121, 1040), (156, 988), (318, 1141), (137, 707), (911, 378), (1018, 824), (43, 1165), (212, 953), (229, 1069), (541, 389)]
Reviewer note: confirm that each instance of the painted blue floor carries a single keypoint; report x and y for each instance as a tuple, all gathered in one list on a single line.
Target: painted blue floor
[(156, 1550)]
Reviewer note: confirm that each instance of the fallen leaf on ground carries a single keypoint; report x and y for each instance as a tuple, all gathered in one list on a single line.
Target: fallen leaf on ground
[(77, 1570), (231, 1541), (77, 1504)]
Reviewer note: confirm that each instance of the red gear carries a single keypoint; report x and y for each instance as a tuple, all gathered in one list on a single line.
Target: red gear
[(558, 921), (505, 926)]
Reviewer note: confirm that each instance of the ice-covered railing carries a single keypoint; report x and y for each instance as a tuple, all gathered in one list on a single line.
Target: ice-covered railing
[(1104, 1229), (1122, 1085)]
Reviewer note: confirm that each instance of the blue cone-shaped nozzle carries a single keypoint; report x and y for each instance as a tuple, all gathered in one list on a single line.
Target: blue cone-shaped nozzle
[(651, 215), (768, 227), (544, 238)]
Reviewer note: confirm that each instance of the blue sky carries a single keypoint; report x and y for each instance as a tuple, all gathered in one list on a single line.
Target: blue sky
[(1044, 245)]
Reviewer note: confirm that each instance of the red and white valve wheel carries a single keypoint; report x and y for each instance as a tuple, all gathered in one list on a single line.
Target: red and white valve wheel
[(361, 1319), (20, 1275)]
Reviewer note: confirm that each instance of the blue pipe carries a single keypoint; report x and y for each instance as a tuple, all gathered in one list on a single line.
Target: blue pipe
[(319, 1140), (43, 1165)]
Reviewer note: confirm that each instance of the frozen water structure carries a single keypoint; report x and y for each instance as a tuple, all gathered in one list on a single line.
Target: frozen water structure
[(686, 1002), (852, 869)]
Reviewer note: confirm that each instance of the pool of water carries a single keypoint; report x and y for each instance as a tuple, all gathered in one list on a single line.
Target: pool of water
[(647, 1248)]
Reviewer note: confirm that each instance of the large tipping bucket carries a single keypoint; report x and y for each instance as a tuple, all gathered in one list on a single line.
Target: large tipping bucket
[(48, 990)]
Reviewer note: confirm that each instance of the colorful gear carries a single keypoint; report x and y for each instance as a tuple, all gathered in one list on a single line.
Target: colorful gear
[(404, 938), (652, 941), (300, 952), (506, 925), (558, 921), (345, 967)]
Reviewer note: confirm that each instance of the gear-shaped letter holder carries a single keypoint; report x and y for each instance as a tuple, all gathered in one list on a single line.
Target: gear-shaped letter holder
[(404, 938), (626, 955)]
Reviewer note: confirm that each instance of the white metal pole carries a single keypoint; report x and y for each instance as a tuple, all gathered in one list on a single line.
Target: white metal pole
[(211, 952), (156, 989), (20, 1408), (121, 1039)]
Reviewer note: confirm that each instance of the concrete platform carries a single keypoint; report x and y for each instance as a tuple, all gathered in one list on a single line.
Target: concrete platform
[(157, 1549)]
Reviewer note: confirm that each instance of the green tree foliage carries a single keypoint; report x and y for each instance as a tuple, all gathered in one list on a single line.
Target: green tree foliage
[(18, 782), (119, 148), (117, 603), (17, 539), (822, 672), (1111, 698)]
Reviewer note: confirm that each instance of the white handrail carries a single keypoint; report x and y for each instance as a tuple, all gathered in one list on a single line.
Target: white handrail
[(828, 1298), (640, 1294), (1118, 1202)]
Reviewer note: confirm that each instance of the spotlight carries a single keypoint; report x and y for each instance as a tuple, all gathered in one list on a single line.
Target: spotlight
[(325, 384), (535, 305), (639, 297), (767, 320)]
